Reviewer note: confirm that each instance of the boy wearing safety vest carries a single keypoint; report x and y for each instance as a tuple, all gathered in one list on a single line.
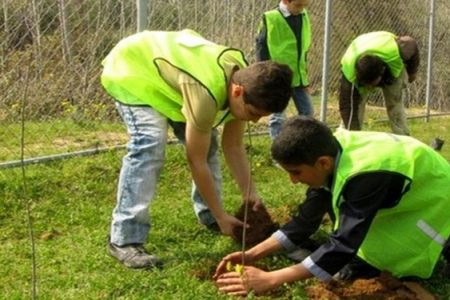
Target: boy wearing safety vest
[(377, 60), (284, 35), (389, 195), (179, 79)]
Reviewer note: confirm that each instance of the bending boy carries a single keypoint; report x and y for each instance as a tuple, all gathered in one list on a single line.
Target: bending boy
[(377, 60), (388, 193), (180, 79)]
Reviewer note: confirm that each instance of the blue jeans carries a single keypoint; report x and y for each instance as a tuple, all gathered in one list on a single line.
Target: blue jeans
[(140, 171), (303, 104)]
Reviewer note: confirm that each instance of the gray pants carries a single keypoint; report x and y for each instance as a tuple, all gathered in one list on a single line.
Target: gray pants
[(393, 98)]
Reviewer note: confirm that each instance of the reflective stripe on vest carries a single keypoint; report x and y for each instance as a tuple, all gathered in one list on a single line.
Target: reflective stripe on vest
[(282, 44), (131, 71), (381, 44), (407, 239)]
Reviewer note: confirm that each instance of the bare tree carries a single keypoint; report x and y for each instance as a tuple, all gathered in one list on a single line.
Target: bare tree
[(35, 29), (65, 36)]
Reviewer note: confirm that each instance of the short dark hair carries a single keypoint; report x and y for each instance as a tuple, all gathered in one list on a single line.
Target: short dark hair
[(267, 85), (303, 140), (369, 68)]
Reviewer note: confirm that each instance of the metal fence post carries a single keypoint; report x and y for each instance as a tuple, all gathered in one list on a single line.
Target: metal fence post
[(142, 9), (326, 54), (430, 59)]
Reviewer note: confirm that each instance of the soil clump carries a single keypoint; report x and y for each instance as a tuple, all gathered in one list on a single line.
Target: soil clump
[(383, 287), (261, 225)]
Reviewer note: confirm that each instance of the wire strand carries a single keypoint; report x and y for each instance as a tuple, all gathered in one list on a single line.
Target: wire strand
[(350, 120)]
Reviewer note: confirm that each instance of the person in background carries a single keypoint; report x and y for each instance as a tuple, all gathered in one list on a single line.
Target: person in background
[(388, 195), (284, 35), (179, 79), (377, 60)]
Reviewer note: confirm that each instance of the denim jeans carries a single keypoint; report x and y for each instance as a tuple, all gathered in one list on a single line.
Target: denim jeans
[(303, 104), (140, 171)]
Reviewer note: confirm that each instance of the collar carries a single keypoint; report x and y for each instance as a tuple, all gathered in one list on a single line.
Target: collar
[(284, 10)]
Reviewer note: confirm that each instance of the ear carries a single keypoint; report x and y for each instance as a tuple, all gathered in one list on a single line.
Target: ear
[(237, 90), (326, 163)]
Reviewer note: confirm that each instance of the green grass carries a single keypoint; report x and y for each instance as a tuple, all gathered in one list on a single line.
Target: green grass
[(56, 136), (72, 201)]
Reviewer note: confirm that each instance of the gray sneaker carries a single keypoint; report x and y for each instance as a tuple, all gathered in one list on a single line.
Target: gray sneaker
[(134, 256)]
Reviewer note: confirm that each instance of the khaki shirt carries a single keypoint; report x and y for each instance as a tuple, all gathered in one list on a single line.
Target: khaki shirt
[(199, 108)]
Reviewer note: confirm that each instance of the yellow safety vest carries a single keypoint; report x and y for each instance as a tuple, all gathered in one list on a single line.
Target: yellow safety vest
[(282, 44), (407, 239), (131, 70)]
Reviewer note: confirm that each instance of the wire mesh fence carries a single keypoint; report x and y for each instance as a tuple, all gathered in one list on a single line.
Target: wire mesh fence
[(55, 49)]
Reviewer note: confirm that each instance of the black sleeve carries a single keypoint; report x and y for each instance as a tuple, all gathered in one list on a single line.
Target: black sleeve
[(309, 216), (261, 49), (409, 51), (363, 196)]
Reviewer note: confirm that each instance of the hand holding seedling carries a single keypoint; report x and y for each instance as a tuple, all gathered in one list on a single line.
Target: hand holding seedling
[(240, 284), (251, 278), (254, 201), (227, 263)]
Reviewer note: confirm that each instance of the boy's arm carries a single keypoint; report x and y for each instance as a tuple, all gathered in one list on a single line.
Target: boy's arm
[(197, 147), (308, 218), (364, 195), (409, 51), (236, 159)]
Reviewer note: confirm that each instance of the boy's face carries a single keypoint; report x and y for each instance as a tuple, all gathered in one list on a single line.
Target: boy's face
[(296, 7), (241, 110), (314, 176)]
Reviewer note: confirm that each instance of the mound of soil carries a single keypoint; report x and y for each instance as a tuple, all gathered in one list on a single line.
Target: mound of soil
[(261, 225), (379, 288)]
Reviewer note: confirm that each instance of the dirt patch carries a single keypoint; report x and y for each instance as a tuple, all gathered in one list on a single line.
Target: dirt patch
[(379, 288), (261, 226), (205, 269)]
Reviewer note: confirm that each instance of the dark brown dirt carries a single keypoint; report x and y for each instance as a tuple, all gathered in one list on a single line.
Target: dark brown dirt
[(261, 225), (384, 287)]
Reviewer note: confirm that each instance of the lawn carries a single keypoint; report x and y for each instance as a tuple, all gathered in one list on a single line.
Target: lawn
[(71, 203)]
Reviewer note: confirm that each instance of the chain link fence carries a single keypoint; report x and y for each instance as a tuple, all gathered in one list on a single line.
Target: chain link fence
[(51, 52)]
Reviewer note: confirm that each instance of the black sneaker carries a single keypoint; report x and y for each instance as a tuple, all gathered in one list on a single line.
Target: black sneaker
[(437, 144), (446, 271), (357, 268), (134, 256), (214, 227)]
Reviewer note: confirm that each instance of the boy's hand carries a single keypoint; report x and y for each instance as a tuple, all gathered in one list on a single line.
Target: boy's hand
[(253, 279), (309, 90), (233, 258), (255, 201), (227, 223)]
